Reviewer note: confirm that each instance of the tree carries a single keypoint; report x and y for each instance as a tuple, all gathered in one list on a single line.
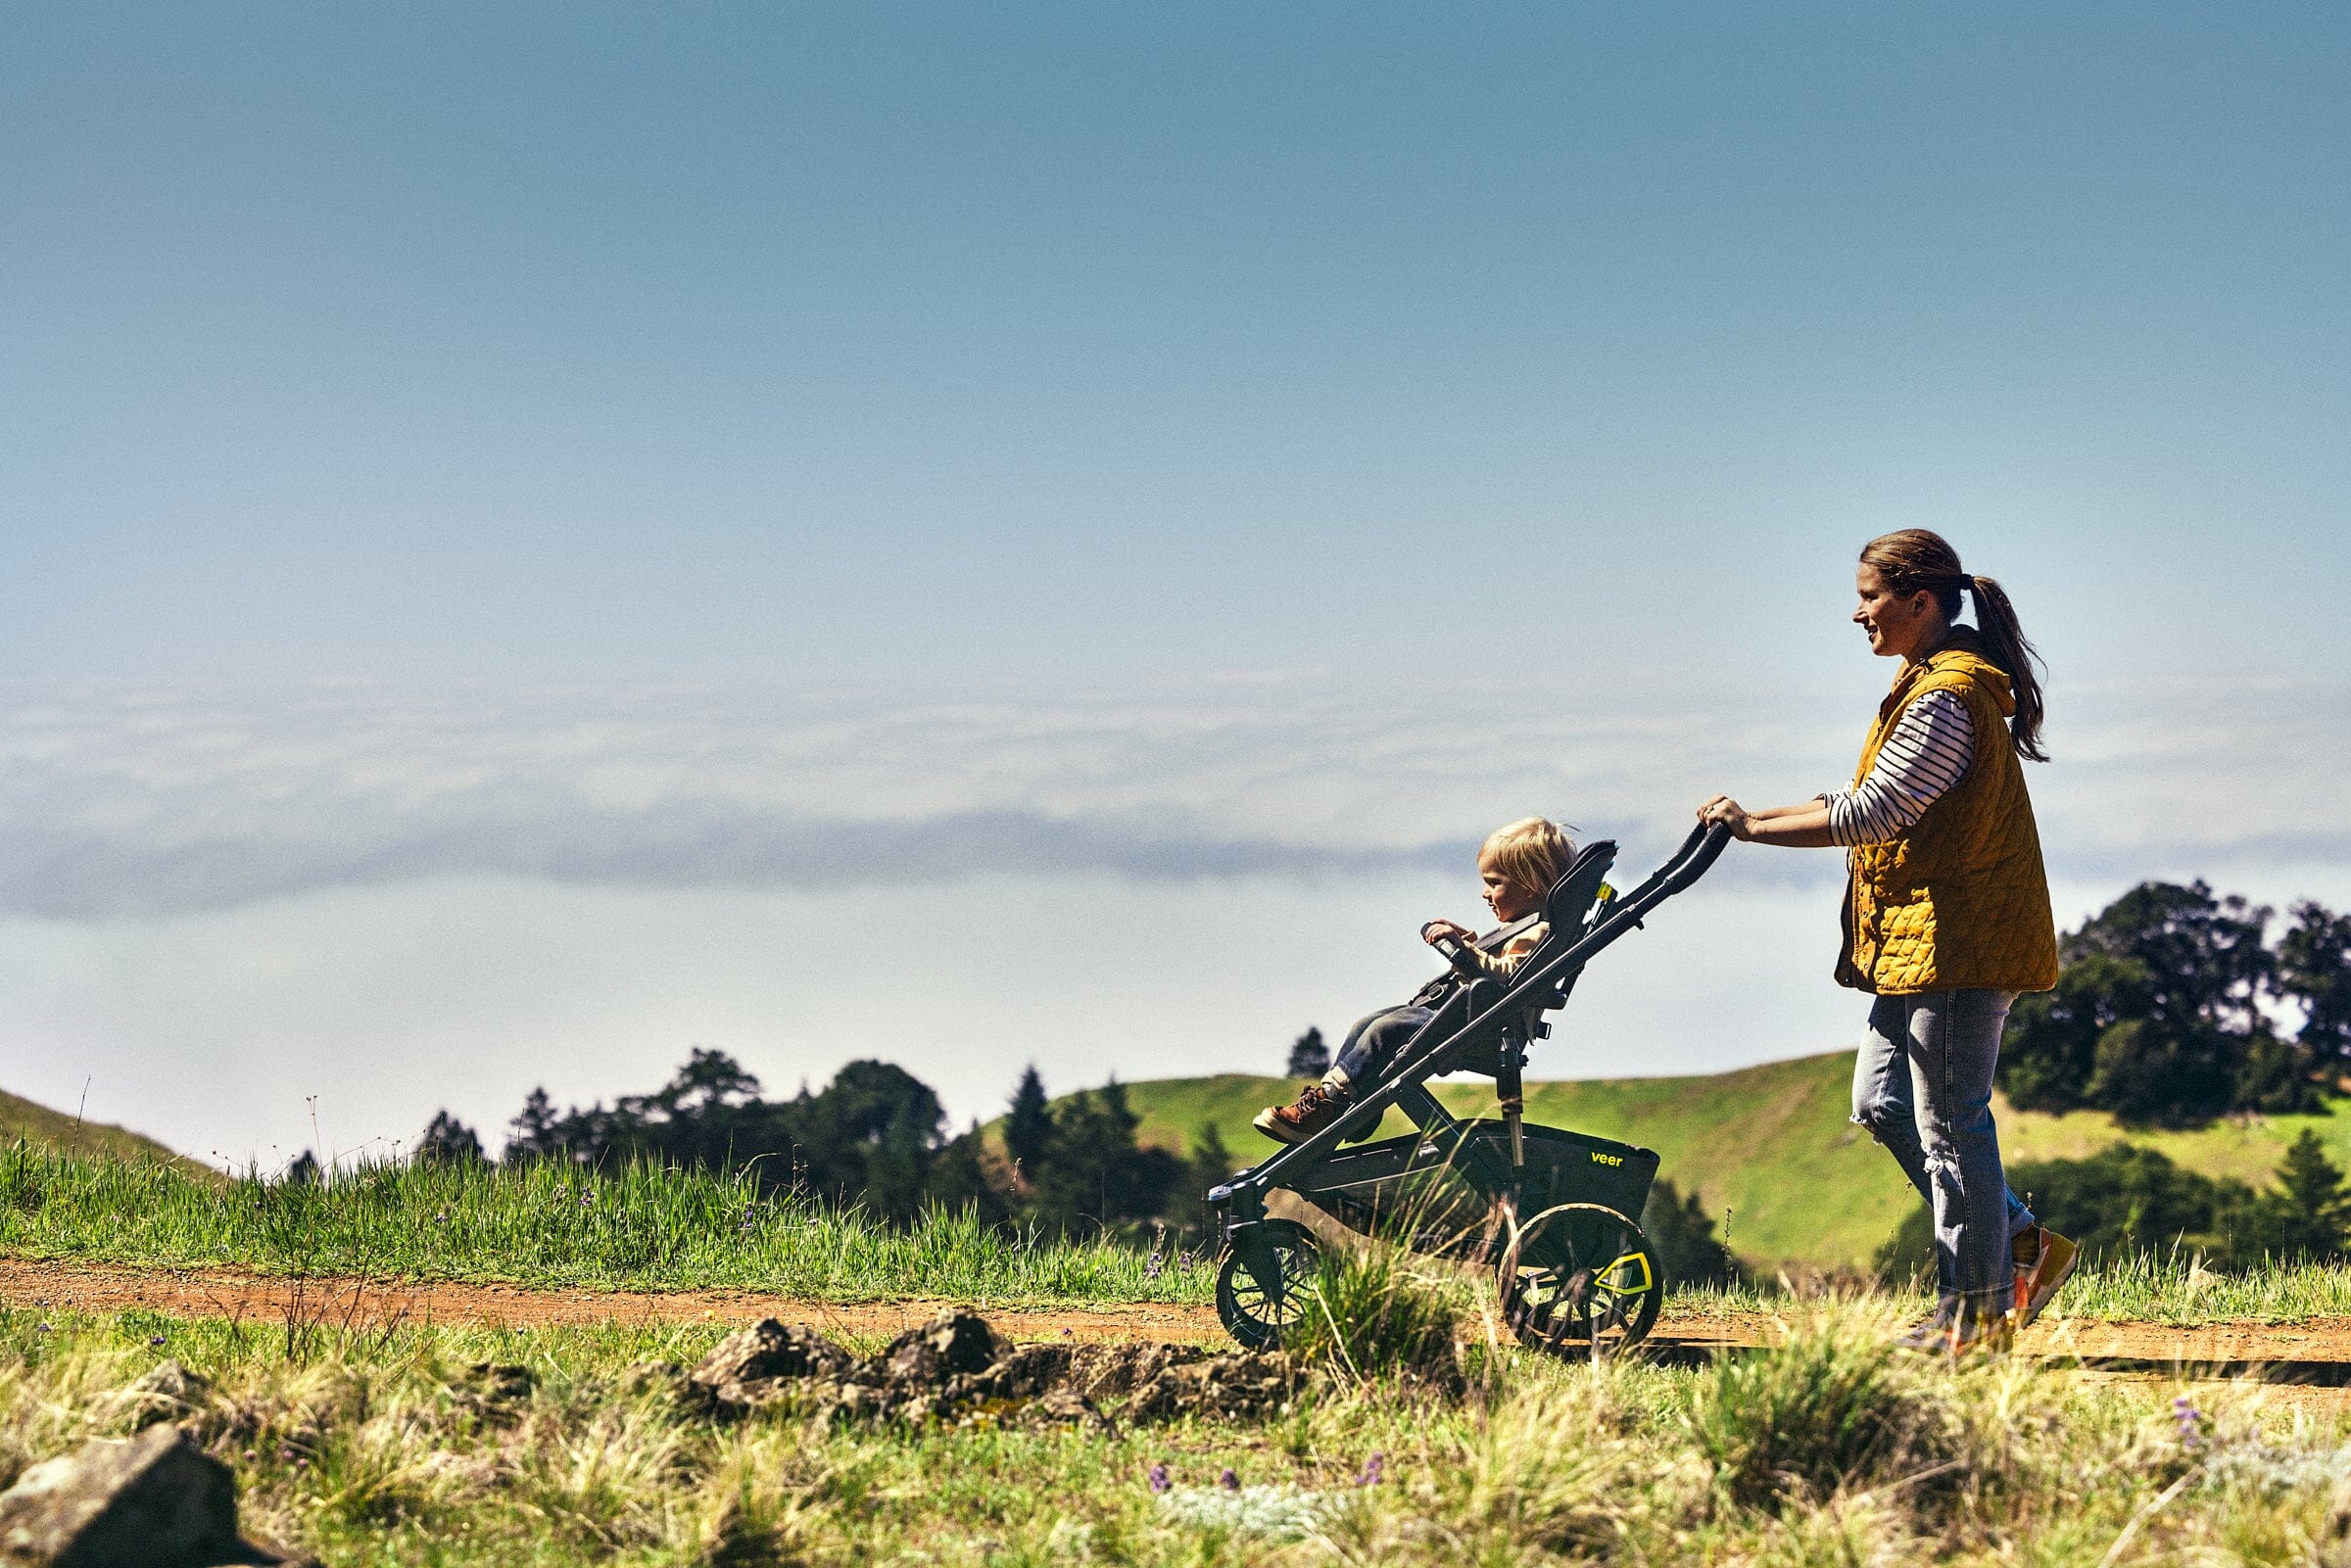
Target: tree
[(1093, 1173), (1310, 1058), (2204, 957), (2164, 1072), (448, 1141), (1028, 1128), (710, 1081), (2313, 969), (2307, 1216), (1683, 1234), (959, 1180), (868, 1138), (2159, 1015), (536, 1130), (2050, 1052)]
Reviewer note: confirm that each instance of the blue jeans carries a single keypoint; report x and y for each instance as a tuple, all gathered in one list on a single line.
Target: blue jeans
[(1922, 1085), (1375, 1041)]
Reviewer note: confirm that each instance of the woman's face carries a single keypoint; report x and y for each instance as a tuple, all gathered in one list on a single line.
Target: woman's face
[(1506, 898), (1899, 625)]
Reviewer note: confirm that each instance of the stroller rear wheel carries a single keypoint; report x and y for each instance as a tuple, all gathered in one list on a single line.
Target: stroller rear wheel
[(1579, 1279), (1260, 1289)]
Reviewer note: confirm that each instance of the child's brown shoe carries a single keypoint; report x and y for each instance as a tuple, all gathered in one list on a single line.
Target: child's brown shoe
[(1316, 1107)]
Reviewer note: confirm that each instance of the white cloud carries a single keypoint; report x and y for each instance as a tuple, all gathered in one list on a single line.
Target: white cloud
[(148, 800)]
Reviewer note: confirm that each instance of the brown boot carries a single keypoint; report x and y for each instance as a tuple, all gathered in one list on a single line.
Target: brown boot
[(1316, 1107)]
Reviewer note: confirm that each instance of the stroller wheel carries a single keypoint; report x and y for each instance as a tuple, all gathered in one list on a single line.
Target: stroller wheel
[(1260, 1289), (1579, 1279)]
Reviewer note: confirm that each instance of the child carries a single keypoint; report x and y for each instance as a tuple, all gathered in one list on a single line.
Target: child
[(1517, 864)]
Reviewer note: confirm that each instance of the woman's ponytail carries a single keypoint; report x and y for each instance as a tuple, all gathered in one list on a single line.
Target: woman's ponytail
[(2004, 641), (1915, 560)]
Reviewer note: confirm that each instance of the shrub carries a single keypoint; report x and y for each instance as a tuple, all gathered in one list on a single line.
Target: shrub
[(1828, 1408), (1373, 1315)]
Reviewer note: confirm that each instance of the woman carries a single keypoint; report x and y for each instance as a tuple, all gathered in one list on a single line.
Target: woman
[(1947, 918)]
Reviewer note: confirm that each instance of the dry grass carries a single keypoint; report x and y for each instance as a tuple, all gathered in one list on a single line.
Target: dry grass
[(394, 1448)]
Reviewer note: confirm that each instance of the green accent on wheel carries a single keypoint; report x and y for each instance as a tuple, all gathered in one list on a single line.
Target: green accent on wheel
[(1581, 1279)]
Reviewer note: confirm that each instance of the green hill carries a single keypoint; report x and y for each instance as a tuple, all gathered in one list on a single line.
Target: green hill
[(21, 1120), (1771, 1147)]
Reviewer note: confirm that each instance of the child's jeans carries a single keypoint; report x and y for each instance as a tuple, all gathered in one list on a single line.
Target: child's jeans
[(1922, 1085), (1375, 1041)]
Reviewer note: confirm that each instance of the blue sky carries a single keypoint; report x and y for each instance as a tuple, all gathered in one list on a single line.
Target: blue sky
[(552, 474)]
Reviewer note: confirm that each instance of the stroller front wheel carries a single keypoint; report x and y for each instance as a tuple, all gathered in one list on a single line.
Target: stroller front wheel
[(1260, 1287), (1579, 1279)]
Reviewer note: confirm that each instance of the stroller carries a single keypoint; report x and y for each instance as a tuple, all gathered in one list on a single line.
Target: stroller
[(1554, 1213)]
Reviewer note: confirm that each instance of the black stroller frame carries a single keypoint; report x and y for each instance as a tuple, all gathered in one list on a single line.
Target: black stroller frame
[(1556, 1212)]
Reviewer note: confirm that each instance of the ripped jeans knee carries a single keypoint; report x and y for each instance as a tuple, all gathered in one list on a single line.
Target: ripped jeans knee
[(1881, 1121)]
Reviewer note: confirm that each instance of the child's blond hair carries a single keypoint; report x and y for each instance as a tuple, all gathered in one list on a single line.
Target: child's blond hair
[(1533, 852)]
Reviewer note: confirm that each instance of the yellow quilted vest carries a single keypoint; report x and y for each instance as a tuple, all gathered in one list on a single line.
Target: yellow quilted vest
[(1960, 902)]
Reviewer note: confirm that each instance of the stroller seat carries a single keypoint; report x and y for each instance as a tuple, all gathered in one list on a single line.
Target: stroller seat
[(1578, 900)]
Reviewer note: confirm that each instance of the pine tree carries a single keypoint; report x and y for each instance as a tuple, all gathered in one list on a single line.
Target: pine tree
[(2309, 1215), (1310, 1058), (448, 1141), (534, 1129), (1028, 1129)]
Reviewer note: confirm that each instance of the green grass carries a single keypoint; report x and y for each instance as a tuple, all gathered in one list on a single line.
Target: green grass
[(642, 1228), (1770, 1147), (649, 1229), (375, 1449)]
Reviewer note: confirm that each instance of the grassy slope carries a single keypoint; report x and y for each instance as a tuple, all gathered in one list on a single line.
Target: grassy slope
[(1770, 1145), (42, 1127)]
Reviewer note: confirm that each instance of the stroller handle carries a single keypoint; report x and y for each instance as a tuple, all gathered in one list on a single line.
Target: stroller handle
[(1704, 846)]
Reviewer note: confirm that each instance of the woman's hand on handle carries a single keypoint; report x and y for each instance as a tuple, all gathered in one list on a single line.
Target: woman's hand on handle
[(1723, 809)]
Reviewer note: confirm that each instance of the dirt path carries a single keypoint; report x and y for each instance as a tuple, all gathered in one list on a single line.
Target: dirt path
[(2315, 1353), (228, 1293)]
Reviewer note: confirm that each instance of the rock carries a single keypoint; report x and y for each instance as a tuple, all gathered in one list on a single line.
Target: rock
[(759, 1365), (952, 1344), (1097, 1371), (1238, 1385), (155, 1501), (1066, 1406), (957, 1368), (165, 1392)]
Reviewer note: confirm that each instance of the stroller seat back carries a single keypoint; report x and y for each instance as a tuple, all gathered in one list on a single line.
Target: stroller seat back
[(1569, 902)]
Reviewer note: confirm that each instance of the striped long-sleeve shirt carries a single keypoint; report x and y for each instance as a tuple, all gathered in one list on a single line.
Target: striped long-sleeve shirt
[(1928, 752)]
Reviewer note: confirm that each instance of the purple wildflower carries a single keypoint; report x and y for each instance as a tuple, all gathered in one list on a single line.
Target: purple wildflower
[(1158, 1477), (155, 1338), (1154, 1264), (2191, 1421), (1229, 1481), (1183, 1261), (1373, 1468)]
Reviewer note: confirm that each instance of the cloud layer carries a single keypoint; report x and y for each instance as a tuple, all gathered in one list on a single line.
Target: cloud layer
[(158, 800)]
